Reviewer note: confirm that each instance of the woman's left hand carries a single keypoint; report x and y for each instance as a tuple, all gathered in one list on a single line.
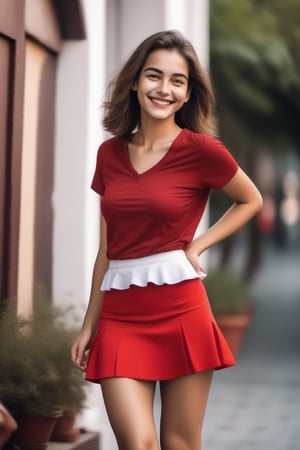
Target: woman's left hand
[(193, 258)]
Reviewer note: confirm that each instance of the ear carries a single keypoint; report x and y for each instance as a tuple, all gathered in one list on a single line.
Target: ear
[(134, 86)]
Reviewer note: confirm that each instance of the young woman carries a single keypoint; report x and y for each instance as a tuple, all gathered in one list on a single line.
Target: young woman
[(154, 177)]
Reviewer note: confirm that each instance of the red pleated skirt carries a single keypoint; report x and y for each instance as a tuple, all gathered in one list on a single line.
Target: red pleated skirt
[(157, 333)]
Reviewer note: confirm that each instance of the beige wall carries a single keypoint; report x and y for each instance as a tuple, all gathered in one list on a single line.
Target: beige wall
[(35, 58)]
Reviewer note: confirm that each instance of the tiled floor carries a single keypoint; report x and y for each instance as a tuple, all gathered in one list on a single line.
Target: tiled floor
[(244, 416)]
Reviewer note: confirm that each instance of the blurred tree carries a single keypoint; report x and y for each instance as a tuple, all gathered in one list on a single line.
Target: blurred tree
[(255, 66), (255, 63)]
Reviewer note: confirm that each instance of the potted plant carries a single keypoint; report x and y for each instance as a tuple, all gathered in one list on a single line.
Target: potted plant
[(230, 303), (37, 378)]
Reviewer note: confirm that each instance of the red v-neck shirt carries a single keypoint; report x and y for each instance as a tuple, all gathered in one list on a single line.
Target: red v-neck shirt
[(159, 209)]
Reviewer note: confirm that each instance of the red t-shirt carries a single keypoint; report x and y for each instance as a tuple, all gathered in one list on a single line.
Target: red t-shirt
[(160, 209)]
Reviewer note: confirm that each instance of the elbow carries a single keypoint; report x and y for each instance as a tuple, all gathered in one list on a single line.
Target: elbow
[(258, 203)]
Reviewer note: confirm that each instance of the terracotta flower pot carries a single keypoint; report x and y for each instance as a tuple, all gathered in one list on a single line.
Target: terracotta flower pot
[(234, 328), (64, 430), (33, 432)]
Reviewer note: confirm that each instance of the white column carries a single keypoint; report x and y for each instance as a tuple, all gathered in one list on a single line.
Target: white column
[(176, 15), (80, 86), (139, 19), (191, 17), (197, 30), (80, 93)]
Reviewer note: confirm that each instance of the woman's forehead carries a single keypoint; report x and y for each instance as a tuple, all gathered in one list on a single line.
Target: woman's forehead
[(170, 60)]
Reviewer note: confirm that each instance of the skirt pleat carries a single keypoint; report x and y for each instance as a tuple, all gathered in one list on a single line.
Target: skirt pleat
[(157, 333)]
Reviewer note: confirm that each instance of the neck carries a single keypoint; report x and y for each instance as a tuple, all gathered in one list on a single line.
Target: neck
[(152, 131)]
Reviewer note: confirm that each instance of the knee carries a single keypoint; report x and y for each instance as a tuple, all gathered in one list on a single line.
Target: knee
[(140, 444), (174, 441)]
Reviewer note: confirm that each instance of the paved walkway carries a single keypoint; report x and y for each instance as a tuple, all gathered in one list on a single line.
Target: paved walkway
[(256, 405)]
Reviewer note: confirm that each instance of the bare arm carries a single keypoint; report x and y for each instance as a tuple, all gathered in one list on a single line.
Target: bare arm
[(247, 202), (89, 327)]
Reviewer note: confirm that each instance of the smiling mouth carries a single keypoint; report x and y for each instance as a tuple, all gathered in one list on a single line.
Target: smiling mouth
[(161, 102)]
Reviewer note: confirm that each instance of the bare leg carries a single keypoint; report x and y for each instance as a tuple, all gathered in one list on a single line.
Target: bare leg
[(183, 407), (129, 405), (7, 425)]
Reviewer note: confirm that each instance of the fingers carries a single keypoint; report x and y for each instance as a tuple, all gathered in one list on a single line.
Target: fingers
[(74, 352), (194, 260), (79, 356), (82, 361)]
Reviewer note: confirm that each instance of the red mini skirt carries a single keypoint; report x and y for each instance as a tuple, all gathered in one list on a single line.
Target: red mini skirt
[(157, 333)]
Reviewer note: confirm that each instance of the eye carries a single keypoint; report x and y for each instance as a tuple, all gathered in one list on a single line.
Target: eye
[(178, 82), (153, 76)]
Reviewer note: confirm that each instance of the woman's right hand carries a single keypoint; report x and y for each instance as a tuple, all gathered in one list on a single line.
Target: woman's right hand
[(80, 350)]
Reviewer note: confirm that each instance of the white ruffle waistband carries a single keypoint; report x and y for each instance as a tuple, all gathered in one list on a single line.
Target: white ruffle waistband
[(162, 268)]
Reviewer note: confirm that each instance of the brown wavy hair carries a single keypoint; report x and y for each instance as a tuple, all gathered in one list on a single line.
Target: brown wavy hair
[(121, 108)]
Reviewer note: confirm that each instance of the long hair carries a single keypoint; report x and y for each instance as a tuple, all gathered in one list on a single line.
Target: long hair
[(121, 108)]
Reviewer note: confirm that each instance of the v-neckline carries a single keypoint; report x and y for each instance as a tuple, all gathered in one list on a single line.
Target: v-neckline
[(157, 164)]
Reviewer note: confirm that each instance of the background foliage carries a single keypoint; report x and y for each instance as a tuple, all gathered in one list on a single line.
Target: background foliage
[(255, 63), (255, 66)]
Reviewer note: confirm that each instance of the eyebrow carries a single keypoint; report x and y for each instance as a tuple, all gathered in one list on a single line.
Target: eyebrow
[(154, 69)]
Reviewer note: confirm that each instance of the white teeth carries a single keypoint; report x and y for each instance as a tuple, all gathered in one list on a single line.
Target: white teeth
[(161, 102)]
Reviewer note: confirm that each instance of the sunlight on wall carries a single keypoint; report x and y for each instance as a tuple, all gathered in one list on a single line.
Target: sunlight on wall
[(35, 57)]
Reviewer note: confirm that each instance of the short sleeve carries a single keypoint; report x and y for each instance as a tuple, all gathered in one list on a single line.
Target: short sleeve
[(97, 182), (219, 165)]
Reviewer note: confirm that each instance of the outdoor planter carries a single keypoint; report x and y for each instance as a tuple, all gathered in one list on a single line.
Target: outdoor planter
[(234, 327), (37, 378), (33, 432), (228, 297)]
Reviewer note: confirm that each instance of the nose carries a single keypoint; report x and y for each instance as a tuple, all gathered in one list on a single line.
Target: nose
[(164, 86)]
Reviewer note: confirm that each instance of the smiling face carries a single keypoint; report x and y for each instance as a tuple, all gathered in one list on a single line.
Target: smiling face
[(162, 87)]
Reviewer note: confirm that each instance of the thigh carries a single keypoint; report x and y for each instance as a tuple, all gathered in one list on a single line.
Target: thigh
[(129, 405), (184, 401)]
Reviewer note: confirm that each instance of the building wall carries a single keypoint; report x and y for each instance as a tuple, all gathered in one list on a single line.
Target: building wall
[(12, 54)]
